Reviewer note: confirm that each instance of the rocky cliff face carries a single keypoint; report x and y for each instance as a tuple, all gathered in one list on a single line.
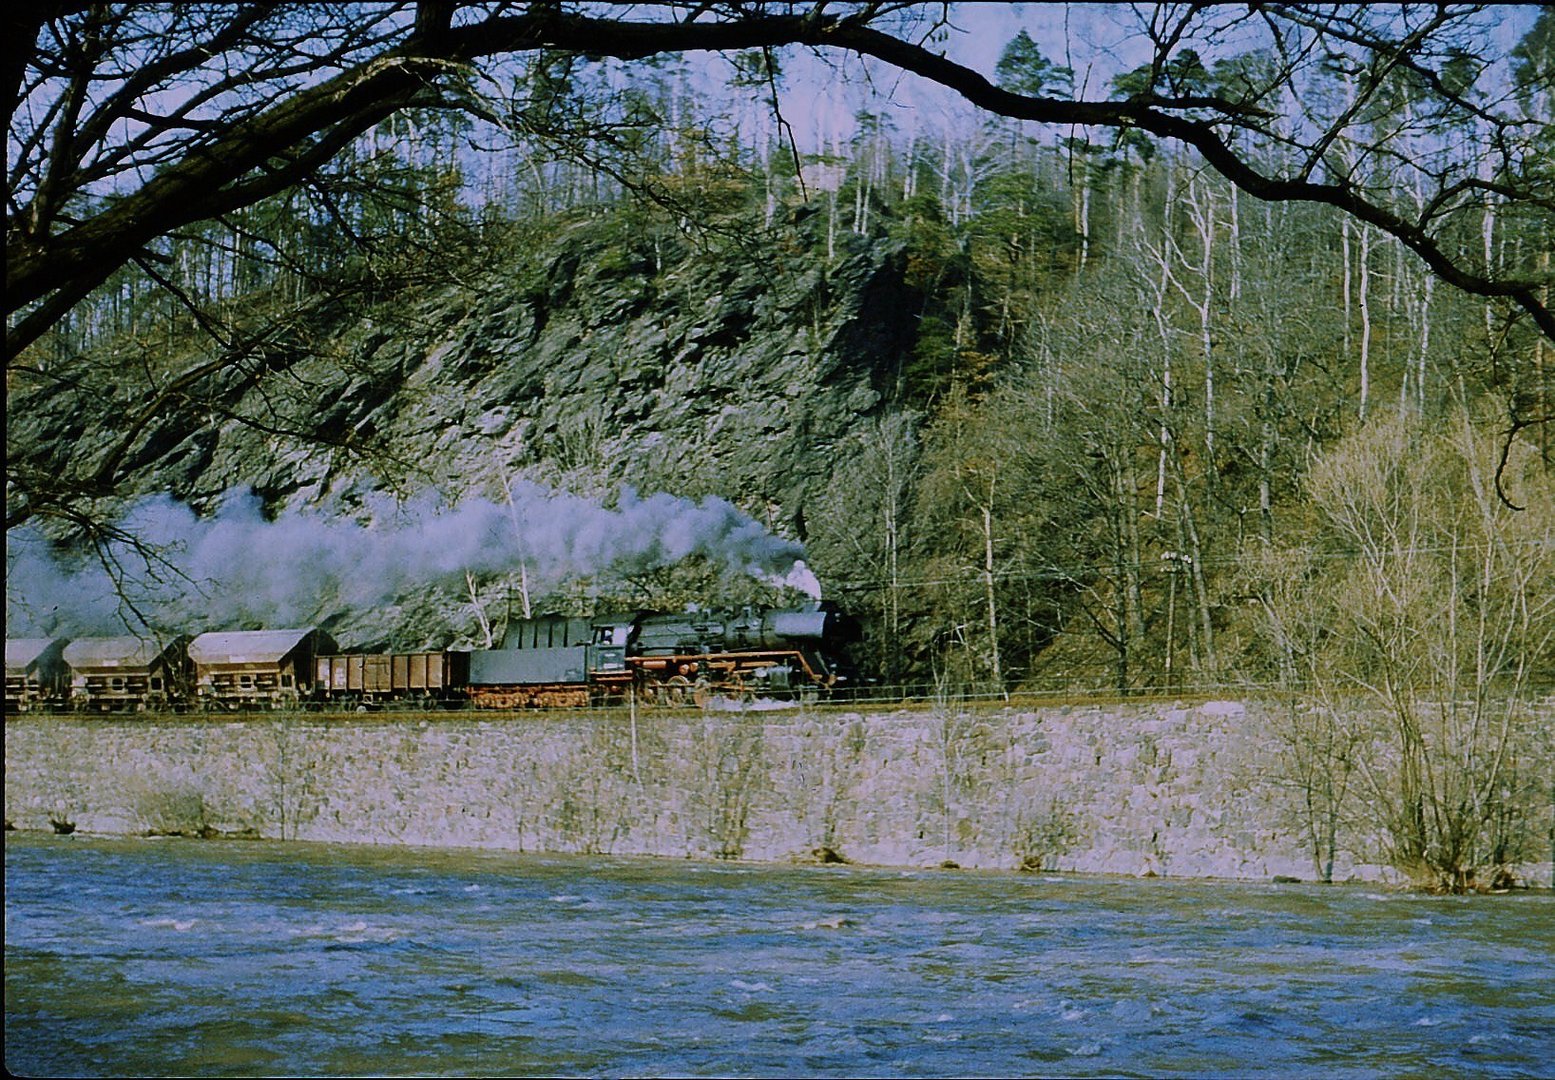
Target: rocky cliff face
[(588, 362), (711, 375)]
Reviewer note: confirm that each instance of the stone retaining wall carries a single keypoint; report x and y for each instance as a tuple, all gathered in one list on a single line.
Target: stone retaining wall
[(1181, 790)]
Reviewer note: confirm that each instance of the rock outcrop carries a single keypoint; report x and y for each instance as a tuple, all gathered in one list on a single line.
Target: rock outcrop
[(590, 361)]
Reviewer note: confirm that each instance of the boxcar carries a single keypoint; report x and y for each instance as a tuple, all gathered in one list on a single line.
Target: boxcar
[(266, 669), (35, 673), (413, 678), (127, 674)]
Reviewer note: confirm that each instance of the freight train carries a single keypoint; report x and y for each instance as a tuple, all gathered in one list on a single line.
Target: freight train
[(655, 659)]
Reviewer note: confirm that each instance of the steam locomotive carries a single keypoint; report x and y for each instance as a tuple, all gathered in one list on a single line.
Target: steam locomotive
[(667, 659), (662, 659)]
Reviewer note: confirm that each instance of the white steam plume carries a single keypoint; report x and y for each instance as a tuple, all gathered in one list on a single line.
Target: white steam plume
[(238, 567), (799, 577)]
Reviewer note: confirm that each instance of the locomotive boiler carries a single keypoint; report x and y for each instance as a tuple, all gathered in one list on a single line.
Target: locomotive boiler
[(669, 659), (746, 652)]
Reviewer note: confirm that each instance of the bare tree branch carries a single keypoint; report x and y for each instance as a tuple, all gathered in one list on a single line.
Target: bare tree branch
[(377, 60)]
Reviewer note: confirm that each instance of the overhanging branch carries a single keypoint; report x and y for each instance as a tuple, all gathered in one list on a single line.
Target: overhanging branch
[(264, 153)]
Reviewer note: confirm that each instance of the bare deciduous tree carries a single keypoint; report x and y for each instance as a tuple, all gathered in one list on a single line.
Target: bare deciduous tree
[(1416, 617)]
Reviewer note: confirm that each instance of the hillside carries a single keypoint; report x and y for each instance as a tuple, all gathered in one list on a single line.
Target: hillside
[(573, 366), (1021, 465)]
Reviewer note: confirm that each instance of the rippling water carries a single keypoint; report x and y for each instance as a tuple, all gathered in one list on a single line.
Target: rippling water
[(127, 957)]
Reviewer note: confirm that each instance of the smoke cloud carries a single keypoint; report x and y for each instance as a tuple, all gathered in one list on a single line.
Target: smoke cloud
[(237, 567)]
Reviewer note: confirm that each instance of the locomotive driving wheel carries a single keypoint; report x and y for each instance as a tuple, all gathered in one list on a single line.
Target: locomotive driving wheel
[(676, 690)]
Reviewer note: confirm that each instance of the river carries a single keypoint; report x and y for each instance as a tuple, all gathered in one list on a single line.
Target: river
[(183, 957)]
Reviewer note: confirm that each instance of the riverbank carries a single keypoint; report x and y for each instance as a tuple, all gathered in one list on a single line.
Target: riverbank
[(1168, 789)]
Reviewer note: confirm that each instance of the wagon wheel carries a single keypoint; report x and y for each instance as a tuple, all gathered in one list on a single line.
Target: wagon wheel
[(676, 690)]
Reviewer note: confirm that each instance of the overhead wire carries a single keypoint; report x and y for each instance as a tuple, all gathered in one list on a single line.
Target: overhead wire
[(1169, 563)]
